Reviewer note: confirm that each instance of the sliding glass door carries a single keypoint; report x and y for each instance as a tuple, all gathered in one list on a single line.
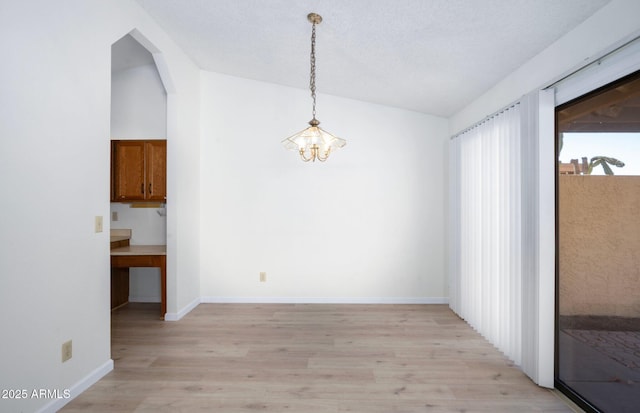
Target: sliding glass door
[(598, 248)]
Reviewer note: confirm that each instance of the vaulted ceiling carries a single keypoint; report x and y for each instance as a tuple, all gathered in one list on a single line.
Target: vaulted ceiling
[(430, 56)]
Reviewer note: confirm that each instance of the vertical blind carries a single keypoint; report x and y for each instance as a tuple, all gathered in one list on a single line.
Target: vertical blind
[(502, 220), (486, 223)]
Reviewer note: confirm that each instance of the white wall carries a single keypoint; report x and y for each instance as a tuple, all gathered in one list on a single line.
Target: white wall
[(139, 111), (54, 177), (613, 24), (138, 104), (367, 225)]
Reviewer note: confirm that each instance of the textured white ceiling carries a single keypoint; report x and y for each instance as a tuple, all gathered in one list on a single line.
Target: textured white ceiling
[(431, 56)]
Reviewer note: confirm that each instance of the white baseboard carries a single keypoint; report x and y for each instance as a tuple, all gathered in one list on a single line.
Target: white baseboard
[(327, 300), (304, 300), (186, 310), (144, 299), (79, 387)]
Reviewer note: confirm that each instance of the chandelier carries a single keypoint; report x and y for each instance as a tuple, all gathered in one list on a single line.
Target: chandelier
[(313, 142)]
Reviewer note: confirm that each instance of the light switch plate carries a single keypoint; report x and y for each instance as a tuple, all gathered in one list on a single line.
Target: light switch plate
[(67, 350), (99, 224)]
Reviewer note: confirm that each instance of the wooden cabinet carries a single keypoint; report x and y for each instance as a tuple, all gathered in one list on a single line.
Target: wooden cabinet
[(138, 170), (119, 287), (119, 280), (156, 170)]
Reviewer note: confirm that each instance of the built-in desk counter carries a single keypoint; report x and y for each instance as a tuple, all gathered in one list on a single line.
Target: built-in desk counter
[(140, 250), (120, 238), (144, 256)]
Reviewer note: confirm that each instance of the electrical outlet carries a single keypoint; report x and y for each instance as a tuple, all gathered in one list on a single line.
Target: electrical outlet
[(67, 350), (263, 277), (114, 216), (99, 223)]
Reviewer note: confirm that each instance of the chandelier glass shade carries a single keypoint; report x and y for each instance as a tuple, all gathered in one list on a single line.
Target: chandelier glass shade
[(313, 142)]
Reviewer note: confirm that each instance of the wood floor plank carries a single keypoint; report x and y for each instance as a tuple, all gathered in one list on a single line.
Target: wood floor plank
[(308, 358)]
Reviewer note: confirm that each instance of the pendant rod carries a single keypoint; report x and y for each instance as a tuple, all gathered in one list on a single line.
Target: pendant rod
[(314, 19)]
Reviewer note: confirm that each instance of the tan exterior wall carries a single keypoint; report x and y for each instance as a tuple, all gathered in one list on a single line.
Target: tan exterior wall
[(599, 233)]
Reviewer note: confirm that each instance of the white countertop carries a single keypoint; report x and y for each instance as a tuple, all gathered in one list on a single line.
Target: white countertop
[(140, 250), (120, 234)]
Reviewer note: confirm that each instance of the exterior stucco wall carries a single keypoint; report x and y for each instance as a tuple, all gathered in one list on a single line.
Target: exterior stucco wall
[(599, 233)]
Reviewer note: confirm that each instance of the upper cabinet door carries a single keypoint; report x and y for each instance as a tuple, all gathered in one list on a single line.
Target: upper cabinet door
[(127, 171), (138, 170), (156, 158)]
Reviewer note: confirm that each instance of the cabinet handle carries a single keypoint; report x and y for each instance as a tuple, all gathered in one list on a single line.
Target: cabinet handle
[(150, 190), (142, 189)]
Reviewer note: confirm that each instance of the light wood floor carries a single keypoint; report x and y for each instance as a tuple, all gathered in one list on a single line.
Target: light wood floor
[(307, 358)]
